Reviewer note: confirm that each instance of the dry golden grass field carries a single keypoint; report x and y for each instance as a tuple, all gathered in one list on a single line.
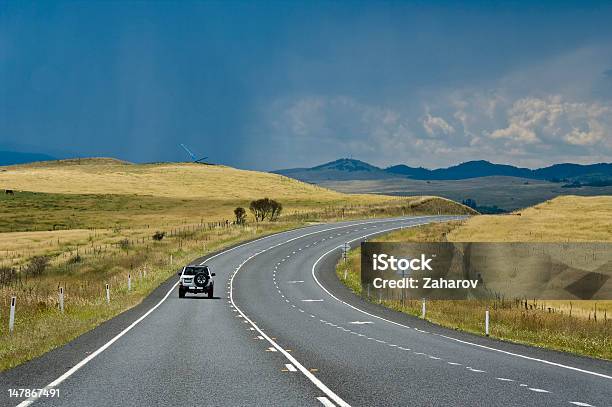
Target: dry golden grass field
[(563, 219), (92, 221), (583, 327)]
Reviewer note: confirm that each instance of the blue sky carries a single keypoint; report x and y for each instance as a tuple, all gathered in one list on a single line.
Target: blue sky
[(268, 85)]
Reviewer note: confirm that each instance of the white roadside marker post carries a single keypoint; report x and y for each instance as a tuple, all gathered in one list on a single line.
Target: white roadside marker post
[(61, 299), (107, 294), (171, 260), (12, 315), (129, 282), (423, 309), (487, 322), (344, 250)]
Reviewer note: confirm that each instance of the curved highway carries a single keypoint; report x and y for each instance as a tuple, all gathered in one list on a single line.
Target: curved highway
[(282, 331)]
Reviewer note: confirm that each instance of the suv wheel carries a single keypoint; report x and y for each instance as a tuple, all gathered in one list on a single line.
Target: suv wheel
[(181, 293), (200, 279), (211, 291)]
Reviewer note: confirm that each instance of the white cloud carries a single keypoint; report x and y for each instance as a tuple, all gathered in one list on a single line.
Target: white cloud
[(531, 131), (437, 126), (534, 116), (553, 120)]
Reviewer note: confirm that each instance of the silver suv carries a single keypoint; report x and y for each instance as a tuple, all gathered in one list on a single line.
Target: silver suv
[(196, 279)]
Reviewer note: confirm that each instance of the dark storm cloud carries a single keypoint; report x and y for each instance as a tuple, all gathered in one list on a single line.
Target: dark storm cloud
[(269, 85)]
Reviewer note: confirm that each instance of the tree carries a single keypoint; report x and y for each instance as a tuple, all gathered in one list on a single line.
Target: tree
[(265, 208), (260, 208), (275, 209), (240, 215)]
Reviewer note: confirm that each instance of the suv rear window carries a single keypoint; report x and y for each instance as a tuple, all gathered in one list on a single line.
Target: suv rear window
[(192, 271)]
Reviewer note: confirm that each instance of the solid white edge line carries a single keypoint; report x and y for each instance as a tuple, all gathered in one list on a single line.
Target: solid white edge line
[(547, 362)]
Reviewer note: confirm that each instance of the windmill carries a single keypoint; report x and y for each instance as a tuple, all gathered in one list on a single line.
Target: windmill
[(192, 156)]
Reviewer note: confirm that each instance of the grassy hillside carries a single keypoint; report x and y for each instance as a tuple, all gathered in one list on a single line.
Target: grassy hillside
[(582, 327), (80, 224), (563, 219), (61, 205), (173, 180), (97, 193)]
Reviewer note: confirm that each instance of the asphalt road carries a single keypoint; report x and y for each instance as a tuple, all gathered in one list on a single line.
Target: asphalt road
[(283, 331)]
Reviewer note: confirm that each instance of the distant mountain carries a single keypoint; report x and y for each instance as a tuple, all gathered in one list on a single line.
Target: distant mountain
[(574, 171), (408, 172), (13, 157), (349, 169), (470, 169), (343, 169)]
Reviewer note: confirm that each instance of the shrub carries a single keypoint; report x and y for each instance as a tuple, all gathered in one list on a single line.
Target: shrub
[(75, 259), (159, 235), (7, 275), (37, 266), (124, 243)]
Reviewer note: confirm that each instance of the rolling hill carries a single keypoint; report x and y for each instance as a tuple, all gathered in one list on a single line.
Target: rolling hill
[(107, 193)]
